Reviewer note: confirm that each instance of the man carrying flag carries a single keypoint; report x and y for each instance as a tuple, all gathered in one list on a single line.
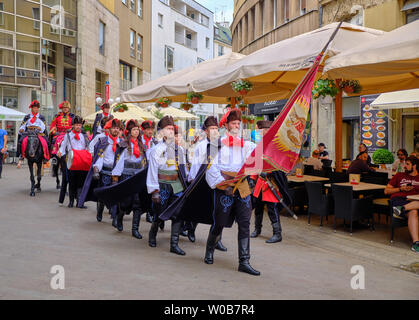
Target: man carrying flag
[(231, 204)]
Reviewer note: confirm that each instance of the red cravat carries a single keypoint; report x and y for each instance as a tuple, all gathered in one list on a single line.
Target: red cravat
[(76, 135), (114, 142), (34, 117), (147, 140), (231, 141), (106, 114), (136, 150)]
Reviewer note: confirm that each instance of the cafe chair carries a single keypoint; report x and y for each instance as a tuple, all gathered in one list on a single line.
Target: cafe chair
[(327, 163), (339, 177), (308, 169), (319, 203), (375, 177), (395, 222), (298, 195), (348, 208)]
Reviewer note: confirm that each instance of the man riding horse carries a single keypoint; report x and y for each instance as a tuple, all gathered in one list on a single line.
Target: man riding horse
[(33, 144)]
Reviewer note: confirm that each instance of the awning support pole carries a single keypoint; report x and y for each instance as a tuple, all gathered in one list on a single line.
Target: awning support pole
[(338, 128)]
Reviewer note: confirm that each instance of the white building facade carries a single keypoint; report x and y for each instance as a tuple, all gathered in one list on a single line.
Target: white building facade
[(183, 35)]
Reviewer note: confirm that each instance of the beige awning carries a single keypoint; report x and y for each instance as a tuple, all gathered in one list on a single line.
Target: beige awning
[(397, 100), (276, 70), (176, 113), (133, 112), (388, 63), (177, 84)]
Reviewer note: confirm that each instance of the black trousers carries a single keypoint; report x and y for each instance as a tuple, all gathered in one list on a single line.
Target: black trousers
[(64, 179), (75, 181), (1, 162), (228, 208), (273, 211), (104, 181), (166, 198)]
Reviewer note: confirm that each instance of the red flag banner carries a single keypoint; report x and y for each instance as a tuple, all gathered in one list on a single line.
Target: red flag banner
[(280, 147)]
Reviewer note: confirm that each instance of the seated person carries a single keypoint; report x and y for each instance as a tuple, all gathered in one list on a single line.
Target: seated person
[(314, 160), (398, 165), (362, 148), (400, 186), (360, 165)]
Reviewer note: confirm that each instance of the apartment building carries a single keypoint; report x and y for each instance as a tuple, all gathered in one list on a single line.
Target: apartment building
[(222, 39)]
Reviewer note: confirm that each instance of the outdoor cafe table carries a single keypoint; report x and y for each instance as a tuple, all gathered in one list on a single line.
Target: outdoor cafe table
[(306, 178), (362, 186), (413, 197)]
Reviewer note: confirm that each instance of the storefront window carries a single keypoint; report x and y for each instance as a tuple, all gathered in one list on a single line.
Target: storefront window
[(9, 97)]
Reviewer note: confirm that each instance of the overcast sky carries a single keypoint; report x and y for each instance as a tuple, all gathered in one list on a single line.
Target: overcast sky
[(217, 6)]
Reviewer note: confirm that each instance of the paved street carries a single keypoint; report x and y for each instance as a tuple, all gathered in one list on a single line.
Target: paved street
[(100, 263)]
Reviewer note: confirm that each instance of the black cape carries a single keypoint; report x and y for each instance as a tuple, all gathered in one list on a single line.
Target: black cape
[(112, 195), (196, 203)]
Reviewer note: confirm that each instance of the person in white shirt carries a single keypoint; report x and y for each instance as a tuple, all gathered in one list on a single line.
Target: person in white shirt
[(231, 204), (314, 160), (166, 180), (131, 162), (74, 140)]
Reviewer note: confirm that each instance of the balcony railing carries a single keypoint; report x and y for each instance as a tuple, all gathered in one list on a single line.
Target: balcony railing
[(181, 39), (125, 85)]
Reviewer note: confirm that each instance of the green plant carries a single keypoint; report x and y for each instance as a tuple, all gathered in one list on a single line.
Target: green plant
[(186, 106), (242, 86), (351, 86), (243, 107), (383, 156), (324, 87), (120, 108), (194, 97), (87, 128), (158, 114), (163, 102)]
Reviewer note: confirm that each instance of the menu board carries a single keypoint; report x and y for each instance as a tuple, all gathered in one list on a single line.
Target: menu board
[(374, 125)]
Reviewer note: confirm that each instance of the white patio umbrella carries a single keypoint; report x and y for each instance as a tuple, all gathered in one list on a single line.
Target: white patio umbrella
[(10, 114)]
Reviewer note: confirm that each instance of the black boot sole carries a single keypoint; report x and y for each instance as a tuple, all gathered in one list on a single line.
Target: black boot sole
[(137, 235), (177, 251), (248, 271), (207, 261)]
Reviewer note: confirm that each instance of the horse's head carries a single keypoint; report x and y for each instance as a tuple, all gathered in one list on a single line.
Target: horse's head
[(33, 144)]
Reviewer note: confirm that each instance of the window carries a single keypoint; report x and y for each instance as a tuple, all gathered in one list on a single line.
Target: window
[(217, 31), (132, 5), (1, 14), (100, 84), (160, 20), (101, 38), (132, 43), (36, 16), (169, 57), (204, 20), (220, 50), (124, 2), (207, 42), (125, 76), (139, 47), (140, 8), (302, 6)]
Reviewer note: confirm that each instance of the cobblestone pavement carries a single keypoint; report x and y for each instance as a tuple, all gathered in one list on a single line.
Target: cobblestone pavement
[(101, 263)]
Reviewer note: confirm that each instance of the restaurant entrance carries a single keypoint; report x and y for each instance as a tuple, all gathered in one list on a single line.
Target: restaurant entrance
[(410, 134)]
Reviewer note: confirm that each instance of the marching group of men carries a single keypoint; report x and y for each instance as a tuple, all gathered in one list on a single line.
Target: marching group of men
[(166, 185)]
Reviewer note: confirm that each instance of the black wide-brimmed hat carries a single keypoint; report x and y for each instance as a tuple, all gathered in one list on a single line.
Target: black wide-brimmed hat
[(78, 120), (209, 122)]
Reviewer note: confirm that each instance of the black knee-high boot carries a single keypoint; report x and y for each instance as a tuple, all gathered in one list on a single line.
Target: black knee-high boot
[(152, 242), (136, 215), (174, 238), (100, 206), (277, 237), (209, 251), (258, 225), (244, 257)]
